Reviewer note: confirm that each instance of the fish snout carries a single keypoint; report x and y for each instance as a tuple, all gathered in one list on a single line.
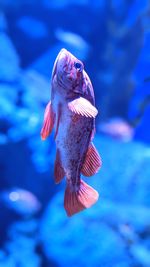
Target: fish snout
[(59, 62), (62, 54), (63, 50)]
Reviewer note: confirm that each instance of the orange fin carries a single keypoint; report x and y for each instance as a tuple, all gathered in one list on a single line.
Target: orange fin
[(58, 169), (92, 162), (83, 107), (48, 122), (78, 200)]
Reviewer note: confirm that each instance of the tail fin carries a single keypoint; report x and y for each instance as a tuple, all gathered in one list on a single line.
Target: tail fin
[(76, 201)]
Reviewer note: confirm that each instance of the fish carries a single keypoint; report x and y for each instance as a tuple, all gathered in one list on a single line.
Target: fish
[(71, 112), (118, 129), (22, 201), (73, 40)]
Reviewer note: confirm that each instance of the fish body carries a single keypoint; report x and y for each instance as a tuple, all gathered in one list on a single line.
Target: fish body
[(118, 129), (22, 201), (72, 113)]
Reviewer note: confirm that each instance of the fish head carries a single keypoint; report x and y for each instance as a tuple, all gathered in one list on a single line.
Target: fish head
[(68, 72)]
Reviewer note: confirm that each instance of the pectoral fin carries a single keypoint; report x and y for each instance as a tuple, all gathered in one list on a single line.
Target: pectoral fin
[(83, 107), (92, 162), (48, 122)]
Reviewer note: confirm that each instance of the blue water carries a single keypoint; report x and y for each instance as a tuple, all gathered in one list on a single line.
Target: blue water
[(112, 39)]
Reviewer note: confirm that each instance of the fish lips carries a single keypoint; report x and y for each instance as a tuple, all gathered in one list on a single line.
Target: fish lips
[(60, 62)]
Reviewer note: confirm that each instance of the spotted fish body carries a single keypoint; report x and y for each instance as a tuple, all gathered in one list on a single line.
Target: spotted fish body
[(72, 113)]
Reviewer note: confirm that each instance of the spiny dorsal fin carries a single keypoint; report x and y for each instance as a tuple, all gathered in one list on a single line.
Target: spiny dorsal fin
[(48, 122)]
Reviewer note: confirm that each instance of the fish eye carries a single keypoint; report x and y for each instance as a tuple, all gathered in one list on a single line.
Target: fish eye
[(78, 66)]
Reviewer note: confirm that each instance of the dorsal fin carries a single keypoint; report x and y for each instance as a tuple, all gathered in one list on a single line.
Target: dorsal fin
[(48, 122)]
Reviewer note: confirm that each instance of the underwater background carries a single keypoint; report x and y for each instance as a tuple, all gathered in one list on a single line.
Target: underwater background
[(112, 38)]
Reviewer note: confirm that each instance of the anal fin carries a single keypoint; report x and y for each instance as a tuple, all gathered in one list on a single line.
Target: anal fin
[(92, 162), (58, 169)]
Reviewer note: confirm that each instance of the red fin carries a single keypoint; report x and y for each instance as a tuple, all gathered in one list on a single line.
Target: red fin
[(76, 201), (48, 122), (58, 169), (83, 107), (92, 162)]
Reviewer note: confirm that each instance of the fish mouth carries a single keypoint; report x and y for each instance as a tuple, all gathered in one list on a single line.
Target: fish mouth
[(62, 59), (62, 52)]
